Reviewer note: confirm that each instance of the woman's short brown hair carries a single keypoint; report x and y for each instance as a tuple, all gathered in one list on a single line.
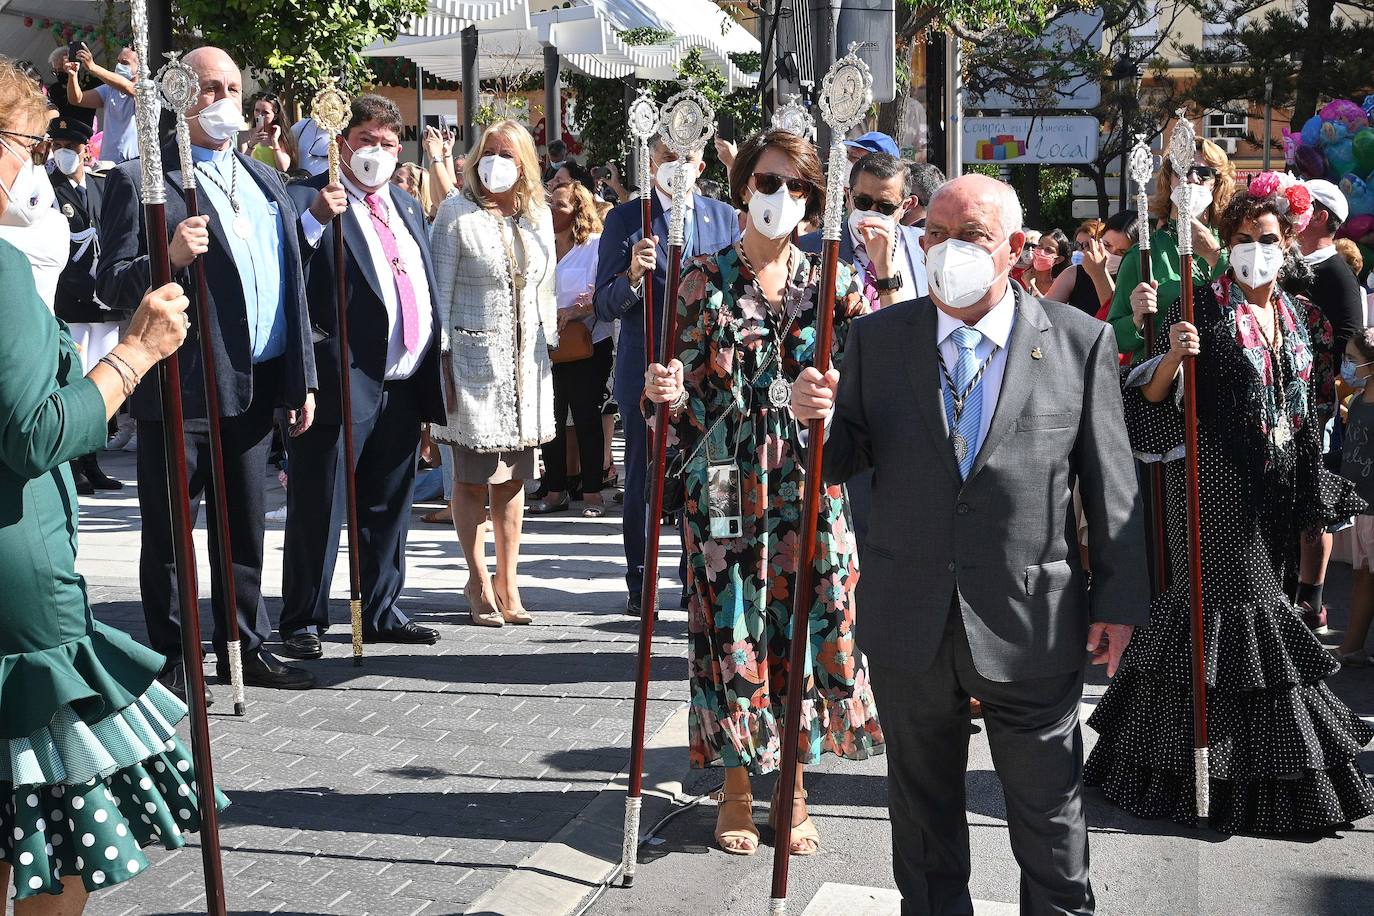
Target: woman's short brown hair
[(22, 106), (1093, 227), (1243, 207), (804, 159)]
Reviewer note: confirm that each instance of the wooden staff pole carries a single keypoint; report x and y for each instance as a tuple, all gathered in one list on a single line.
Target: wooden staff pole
[(846, 92), (687, 122), (1182, 147), (179, 87), (154, 196), (330, 109)]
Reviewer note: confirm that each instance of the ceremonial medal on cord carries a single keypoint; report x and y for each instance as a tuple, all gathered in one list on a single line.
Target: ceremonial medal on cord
[(780, 392)]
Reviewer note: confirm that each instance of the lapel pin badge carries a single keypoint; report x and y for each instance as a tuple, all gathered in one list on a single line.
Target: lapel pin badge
[(1036, 354)]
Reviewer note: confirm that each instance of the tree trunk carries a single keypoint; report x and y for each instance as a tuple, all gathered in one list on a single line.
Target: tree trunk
[(1313, 59), (1030, 193)]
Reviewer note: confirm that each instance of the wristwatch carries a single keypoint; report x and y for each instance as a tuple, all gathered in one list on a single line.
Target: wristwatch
[(889, 284)]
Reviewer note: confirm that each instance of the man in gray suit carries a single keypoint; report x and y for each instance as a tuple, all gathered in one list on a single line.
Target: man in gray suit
[(978, 409)]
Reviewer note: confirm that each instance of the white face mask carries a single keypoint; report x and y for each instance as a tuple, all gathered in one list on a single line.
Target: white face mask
[(1113, 263), (1255, 263), (28, 195), (498, 173), (46, 244), (221, 120), (67, 160), (776, 214), (960, 272), (372, 166), (666, 174), (1200, 199), (859, 216)]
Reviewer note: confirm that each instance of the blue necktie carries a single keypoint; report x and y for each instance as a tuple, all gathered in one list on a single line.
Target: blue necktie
[(970, 421), (689, 236)]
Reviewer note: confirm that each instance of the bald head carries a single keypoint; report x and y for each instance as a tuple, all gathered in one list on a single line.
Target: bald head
[(220, 79), (980, 211)]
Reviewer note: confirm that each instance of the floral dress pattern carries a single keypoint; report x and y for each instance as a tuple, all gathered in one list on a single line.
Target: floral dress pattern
[(741, 588), (1283, 746)]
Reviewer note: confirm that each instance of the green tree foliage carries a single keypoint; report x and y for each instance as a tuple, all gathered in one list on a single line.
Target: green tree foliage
[(1308, 52), (295, 44)]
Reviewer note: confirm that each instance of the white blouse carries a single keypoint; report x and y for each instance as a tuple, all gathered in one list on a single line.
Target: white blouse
[(575, 275)]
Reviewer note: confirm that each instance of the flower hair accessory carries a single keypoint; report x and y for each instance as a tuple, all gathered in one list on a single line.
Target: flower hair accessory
[(1292, 196), (1368, 337)]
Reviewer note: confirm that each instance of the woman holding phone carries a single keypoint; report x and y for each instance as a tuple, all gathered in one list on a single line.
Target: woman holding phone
[(271, 143)]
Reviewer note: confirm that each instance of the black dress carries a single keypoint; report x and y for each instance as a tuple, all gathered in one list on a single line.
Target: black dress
[(1084, 296), (1283, 747)]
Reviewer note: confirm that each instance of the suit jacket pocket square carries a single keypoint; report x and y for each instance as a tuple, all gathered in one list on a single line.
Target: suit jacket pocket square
[(1051, 577)]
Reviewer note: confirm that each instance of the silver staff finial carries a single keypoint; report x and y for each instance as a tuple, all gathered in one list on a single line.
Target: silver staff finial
[(1182, 149), (846, 94), (793, 117), (685, 123), (147, 108)]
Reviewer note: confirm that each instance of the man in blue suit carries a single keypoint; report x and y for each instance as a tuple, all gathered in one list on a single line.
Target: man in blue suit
[(393, 366), (627, 261)]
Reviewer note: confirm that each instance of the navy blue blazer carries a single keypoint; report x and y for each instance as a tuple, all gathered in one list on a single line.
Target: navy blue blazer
[(369, 328), (911, 242), (124, 276), (715, 227)]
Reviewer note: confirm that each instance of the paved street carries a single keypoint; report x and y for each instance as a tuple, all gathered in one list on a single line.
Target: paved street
[(469, 776)]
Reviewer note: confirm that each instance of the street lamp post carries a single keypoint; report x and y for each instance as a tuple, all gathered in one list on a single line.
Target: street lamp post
[(1127, 77)]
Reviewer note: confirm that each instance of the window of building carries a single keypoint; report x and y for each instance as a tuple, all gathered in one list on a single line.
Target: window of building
[(1224, 124)]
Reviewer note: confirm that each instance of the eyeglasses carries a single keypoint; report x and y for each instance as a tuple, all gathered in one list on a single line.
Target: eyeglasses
[(769, 182), (864, 202), (34, 137), (1201, 174)]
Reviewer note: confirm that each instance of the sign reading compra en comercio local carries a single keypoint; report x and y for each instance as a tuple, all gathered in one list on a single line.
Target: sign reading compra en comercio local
[(1025, 141)]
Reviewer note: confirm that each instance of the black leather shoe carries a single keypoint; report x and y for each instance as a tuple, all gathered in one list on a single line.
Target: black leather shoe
[(263, 669), (302, 645), (96, 477), (410, 634), (173, 677), (634, 606)]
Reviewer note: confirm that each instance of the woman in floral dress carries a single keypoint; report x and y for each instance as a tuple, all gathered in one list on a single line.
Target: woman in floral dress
[(739, 625), (1283, 747)]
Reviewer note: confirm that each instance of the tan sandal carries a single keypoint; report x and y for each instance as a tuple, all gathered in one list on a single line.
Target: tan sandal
[(806, 839), (482, 613), (736, 835)]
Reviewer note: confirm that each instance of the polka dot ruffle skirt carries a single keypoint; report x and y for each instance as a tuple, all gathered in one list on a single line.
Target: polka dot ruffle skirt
[(1282, 746), (97, 829)]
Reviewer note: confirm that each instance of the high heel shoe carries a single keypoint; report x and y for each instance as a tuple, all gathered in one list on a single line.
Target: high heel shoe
[(735, 830), (806, 839), (482, 612), (519, 618)]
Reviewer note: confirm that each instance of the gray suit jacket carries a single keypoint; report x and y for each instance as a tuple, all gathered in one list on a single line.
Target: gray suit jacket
[(1006, 537)]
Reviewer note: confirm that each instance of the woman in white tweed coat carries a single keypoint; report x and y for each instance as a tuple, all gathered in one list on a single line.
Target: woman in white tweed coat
[(493, 251)]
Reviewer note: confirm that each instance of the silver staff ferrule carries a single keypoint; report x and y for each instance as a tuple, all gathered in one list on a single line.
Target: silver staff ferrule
[(836, 174), (629, 847), (147, 109), (682, 188), (777, 906), (1202, 782)]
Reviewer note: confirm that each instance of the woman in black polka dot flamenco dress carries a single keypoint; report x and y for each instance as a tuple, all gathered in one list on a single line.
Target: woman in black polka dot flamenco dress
[(91, 769), (1283, 747)]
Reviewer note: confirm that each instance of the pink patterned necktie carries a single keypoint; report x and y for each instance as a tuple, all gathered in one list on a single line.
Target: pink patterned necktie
[(871, 287), (405, 292)]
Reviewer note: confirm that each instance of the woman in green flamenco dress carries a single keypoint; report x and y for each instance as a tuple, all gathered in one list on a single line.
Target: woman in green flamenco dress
[(91, 769)]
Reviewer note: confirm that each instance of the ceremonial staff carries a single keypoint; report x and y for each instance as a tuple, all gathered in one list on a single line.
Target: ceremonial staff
[(685, 124), (1182, 148), (846, 93), (180, 86), (643, 125), (1141, 168), (154, 194), (793, 117), (330, 109)]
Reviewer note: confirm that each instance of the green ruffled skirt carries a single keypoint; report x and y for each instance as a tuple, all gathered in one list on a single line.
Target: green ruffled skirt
[(82, 798)]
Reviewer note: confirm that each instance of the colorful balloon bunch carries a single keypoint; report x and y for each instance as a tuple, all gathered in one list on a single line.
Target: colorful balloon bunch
[(1337, 144)]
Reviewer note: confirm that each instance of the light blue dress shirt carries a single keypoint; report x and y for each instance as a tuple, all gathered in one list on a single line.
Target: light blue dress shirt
[(260, 258)]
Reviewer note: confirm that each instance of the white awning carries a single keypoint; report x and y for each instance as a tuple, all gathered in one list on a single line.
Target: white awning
[(585, 36)]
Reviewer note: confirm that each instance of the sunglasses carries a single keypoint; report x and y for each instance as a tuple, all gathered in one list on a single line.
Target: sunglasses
[(864, 202), (1201, 173), (768, 183)]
